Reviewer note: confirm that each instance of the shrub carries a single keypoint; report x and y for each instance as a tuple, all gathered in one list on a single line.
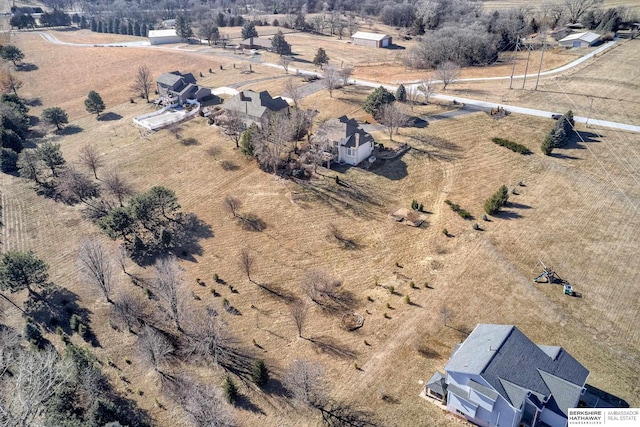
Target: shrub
[(547, 145), (260, 373), (216, 278), (445, 232), (407, 299), (497, 201), (369, 299), (457, 209), (389, 306), (75, 322), (391, 289), (32, 333), (413, 285), (485, 217), (513, 146), (230, 390), (476, 226)]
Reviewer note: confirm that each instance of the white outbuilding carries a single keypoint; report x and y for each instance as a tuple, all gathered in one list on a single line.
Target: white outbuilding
[(362, 38), (580, 40), (163, 37)]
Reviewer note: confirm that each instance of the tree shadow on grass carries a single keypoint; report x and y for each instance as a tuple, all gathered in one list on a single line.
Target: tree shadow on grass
[(275, 387), (247, 405), (507, 215), (70, 130), (328, 345), (33, 102), (187, 239), (55, 309), (518, 205), (26, 66), (564, 156), (393, 169), (110, 116)]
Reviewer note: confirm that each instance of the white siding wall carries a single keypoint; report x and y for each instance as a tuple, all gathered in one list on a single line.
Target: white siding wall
[(164, 40), (501, 414), (553, 419)]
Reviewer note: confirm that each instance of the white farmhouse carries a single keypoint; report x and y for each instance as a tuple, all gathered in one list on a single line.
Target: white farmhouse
[(498, 377), (345, 140)]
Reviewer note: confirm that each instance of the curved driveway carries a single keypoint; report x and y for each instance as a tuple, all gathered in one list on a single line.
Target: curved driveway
[(467, 101)]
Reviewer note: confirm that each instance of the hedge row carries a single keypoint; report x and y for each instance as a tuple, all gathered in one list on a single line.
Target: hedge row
[(513, 146)]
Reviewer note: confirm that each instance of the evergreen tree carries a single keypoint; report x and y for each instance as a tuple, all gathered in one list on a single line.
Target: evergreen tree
[(99, 28), (94, 103), (143, 30), (547, 145), (249, 30), (321, 58), (376, 99), (279, 45), (136, 29), (55, 116), (83, 23), (401, 93), (230, 390), (260, 374), (183, 27)]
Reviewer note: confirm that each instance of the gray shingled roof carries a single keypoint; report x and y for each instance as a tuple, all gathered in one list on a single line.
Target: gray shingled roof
[(255, 104), (512, 364), (437, 383), (490, 393), (343, 130), (169, 79)]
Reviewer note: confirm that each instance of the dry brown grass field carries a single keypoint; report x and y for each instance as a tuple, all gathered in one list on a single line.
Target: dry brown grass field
[(578, 212), (593, 89)]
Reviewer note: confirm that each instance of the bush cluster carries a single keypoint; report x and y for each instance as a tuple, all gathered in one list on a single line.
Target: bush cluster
[(497, 201), (513, 146), (457, 209)]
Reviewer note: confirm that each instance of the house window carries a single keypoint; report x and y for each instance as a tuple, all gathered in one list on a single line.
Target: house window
[(351, 152)]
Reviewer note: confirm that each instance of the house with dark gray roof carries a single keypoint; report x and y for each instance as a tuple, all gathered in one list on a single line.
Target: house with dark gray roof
[(254, 107), (177, 88), (498, 377), (345, 140)]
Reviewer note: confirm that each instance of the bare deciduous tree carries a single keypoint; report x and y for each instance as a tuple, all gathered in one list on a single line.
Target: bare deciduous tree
[(285, 61), (90, 158), (293, 90), (206, 340), (143, 82), (9, 83), (246, 261), (204, 404), (122, 256), (331, 78), (393, 118), (344, 74), (301, 122), (96, 266), (276, 135), (316, 152), (298, 312), (324, 290), (306, 382), (156, 350), (232, 205), (9, 349), (233, 125), (445, 313), (74, 186), (37, 377), (426, 87), (448, 72), (117, 186), (168, 286), (129, 310), (577, 8)]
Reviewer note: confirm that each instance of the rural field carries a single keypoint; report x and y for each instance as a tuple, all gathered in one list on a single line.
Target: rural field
[(576, 210)]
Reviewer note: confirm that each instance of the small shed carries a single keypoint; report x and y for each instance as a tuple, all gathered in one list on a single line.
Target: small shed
[(256, 43), (362, 38), (163, 37), (579, 40)]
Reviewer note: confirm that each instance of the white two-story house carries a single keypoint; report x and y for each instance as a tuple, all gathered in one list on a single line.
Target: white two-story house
[(498, 377)]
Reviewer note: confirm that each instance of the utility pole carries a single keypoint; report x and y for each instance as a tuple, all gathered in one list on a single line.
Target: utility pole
[(526, 68), (515, 54), (540, 67), (589, 115)]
